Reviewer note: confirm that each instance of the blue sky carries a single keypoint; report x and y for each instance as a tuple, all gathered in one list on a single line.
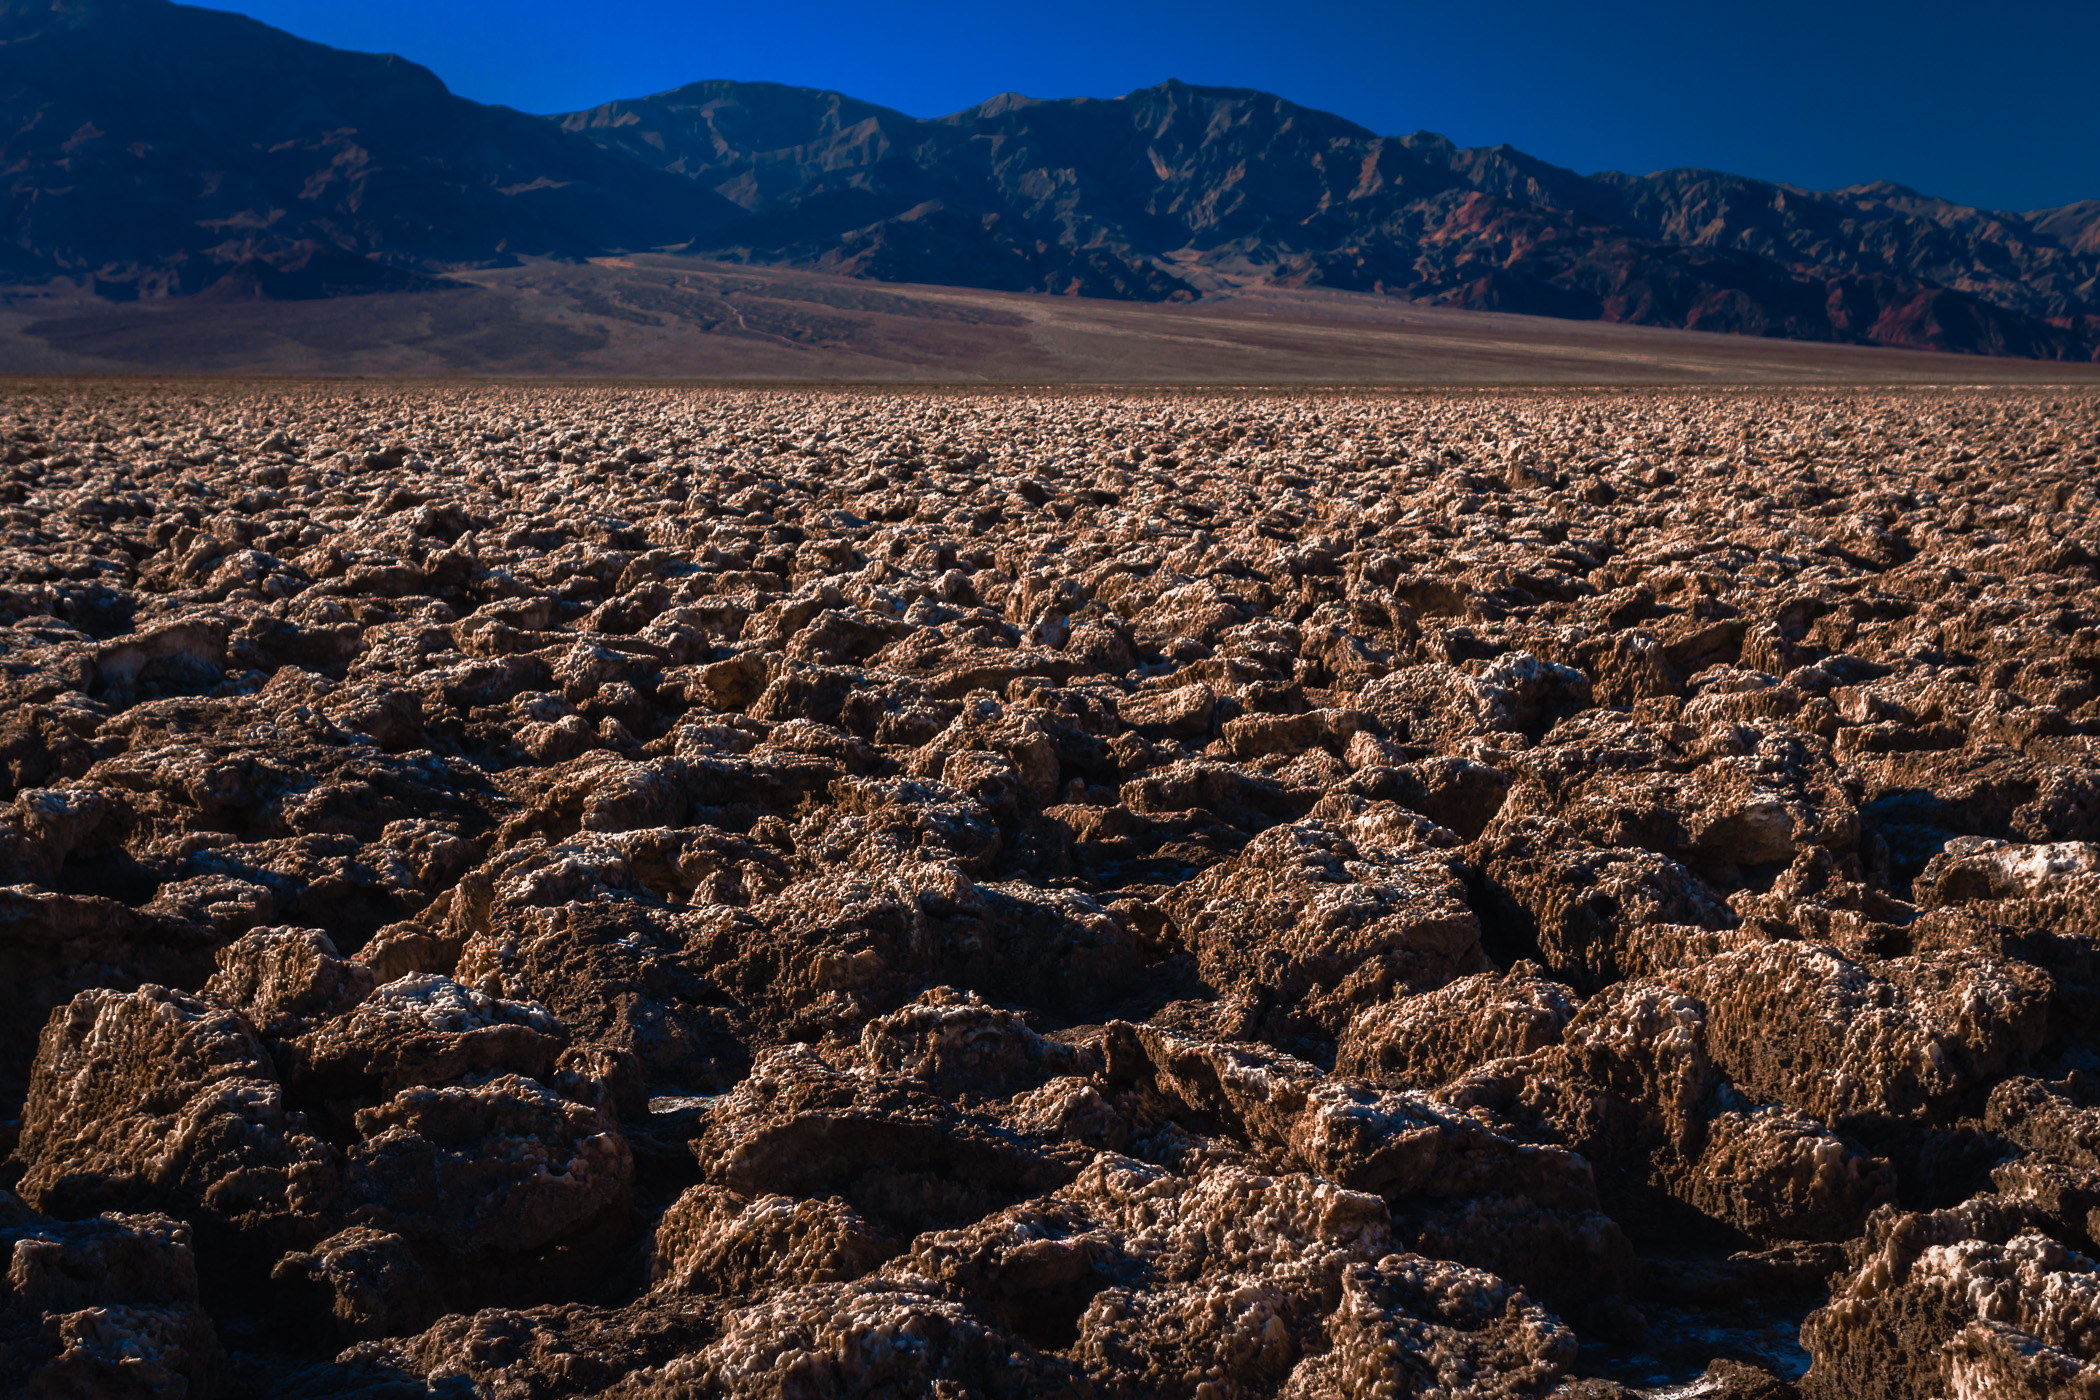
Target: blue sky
[(1997, 105)]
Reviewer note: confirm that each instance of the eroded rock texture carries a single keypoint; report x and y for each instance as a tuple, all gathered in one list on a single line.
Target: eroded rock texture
[(548, 893)]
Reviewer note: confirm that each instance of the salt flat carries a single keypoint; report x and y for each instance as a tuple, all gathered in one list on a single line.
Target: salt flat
[(657, 891)]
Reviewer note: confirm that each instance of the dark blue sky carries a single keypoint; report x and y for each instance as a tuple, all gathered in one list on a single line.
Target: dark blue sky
[(1989, 104)]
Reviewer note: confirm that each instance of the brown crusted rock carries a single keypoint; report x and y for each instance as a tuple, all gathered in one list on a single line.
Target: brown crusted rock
[(2057, 1127), (1733, 694), (1378, 822), (354, 881), (870, 1337), (1765, 806), (603, 792), (2056, 1120), (223, 905), (1234, 1282), (1577, 1262), (714, 1241), (2064, 1199), (807, 737), (1252, 736), (873, 824), (283, 979), (1731, 797), (1738, 1380), (104, 1307), (1182, 712), (1419, 1042), (905, 1159), (1818, 901), (54, 945), (608, 1080), (1032, 1268), (121, 1351), (424, 1029), (1241, 797), (956, 1041), (1462, 1191), (1594, 915), (1408, 1326), (1442, 705), (1059, 949), (659, 865), (1639, 1053), (1778, 1175), (831, 952), (986, 730), (1444, 1168), (1197, 609), (733, 682), (1071, 1109), (2041, 1304), (390, 717), (1454, 792), (1904, 1039), (1257, 1091), (601, 931), (722, 725), (497, 1167), (158, 1100), (1959, 1302), (1230, 1275), (41, 742), (1633, 1088), (557, 741), (2054, 886), (551, 1352), (161, 651), (50, 824), (2066, 808), (1317, 927), (411, 946), (1401, 1145), (357, 1285)]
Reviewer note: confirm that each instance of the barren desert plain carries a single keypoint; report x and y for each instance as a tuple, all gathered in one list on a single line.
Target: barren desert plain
[(527, 891)]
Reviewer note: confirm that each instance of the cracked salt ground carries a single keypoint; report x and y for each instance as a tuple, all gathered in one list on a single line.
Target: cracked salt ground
[(547, 892)]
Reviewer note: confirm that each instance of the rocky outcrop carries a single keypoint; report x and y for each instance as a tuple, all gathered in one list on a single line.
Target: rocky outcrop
[(157, 1100), (1313, 928), (103, 1306), (1962, 1301), (1422, 1041)]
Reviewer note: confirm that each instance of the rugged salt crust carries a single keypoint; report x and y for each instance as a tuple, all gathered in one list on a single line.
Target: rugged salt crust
[(546, 892)]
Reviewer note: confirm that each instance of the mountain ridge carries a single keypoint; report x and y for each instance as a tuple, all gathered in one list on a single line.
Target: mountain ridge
[(176, 145), (1493, 227), (163, 150)]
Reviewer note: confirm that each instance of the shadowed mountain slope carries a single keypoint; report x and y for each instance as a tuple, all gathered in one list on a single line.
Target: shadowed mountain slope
[(155, 149), (1173, 189), (165, 149)]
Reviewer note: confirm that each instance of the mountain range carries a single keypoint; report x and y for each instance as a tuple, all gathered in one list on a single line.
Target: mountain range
[(159, 150)]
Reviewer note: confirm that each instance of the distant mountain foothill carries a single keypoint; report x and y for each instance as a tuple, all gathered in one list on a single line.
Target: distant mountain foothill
[(158, 150)]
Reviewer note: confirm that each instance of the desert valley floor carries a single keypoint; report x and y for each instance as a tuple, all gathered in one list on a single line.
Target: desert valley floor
[(534, 892), (653, 317)]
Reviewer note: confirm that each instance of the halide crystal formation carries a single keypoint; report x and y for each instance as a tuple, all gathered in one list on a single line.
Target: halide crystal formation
[(528, 892)]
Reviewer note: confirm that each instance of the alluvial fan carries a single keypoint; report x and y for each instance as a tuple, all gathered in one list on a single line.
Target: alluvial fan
[(548, 892)]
